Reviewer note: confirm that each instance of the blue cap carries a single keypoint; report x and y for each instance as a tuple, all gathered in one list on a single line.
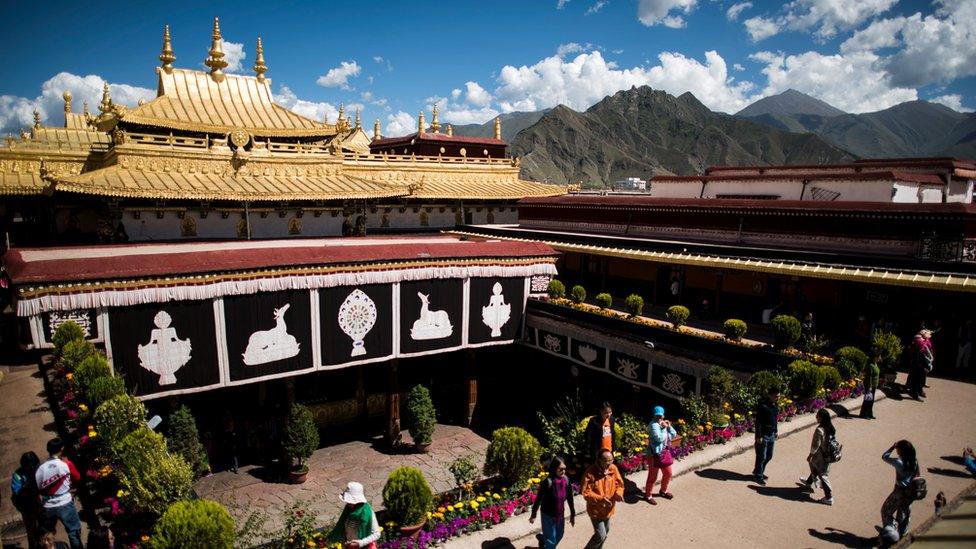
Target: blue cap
[(659, 411)]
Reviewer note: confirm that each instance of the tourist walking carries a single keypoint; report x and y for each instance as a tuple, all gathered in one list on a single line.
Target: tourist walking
[(818, 459), (922, 360), (555, 494), (602, 488), (357, 525), (54, 478), (660, 433), (766, 430), (896, 510), (601, 432), (24, 494), (872, 377), (969, 460)]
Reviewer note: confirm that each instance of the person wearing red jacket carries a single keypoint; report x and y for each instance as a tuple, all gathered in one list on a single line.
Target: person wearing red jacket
[(54, 478)]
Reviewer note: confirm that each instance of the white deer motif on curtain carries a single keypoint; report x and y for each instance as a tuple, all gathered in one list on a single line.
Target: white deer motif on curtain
[(271, 345), (431, 324)]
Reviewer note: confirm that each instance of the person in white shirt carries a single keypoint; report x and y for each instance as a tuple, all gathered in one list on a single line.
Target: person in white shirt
[(357, 526), (54, 478)]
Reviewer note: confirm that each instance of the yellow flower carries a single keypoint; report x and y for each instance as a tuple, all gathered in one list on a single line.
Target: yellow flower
[(616, 454), (496, 496), (533, 480), (450, 508), (429, 514), (144, 538), (441, 509), (474, 504), (310, 543), (69, 376), (481, 499), (83, 408), (92, 433)]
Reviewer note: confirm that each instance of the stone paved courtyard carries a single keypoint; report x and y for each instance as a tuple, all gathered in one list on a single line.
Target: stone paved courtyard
[(331, 468)]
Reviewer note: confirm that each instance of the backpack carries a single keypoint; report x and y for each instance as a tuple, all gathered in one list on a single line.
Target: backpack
[(918, 489), (834, 450)]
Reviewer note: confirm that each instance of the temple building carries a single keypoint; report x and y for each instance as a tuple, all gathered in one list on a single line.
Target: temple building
[(214, 157)]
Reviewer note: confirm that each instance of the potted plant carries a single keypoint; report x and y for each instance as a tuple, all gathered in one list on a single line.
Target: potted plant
[(407, 498), (301, 440), (423, 417)]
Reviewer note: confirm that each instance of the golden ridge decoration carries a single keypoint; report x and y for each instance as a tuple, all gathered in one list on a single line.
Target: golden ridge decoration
[(166, 56), (216, 60), (259, 65)]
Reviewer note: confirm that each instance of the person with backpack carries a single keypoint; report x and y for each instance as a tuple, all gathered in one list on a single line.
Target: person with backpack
[(896, 510), (555, 494), (824, 450), (24, 495), (54, 479)]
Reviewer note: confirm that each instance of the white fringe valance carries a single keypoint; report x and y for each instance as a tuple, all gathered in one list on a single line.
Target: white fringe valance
[(136, 296)]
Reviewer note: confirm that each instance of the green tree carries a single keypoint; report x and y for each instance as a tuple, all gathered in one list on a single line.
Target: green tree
[(422, 415), (196, 523), (66, 332), (407, 496), (514, 454), (301, 436), (786, 331), (184, 440)]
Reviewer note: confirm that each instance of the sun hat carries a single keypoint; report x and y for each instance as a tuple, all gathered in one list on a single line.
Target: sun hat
[(658, 411), (353, 493)]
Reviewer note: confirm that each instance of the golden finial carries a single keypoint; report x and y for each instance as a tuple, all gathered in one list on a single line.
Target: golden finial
[(359, 121), (259, 66), (216, 59), (450, 129), (376, 129), (342, 112), (142, 102), (435, 124), (498, 127), (421, 123), (37, 119), (67, 106), (167, 56), (84, 109), (106, 104)]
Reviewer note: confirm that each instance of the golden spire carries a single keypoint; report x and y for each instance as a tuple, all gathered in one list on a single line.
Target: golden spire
[(216, 59), (37, 119), (376, 129), (359, 121), (84, 108), (421, 123), (498, 127), (450, 129), (166, 56), (67, 106), (342, 112), (106, 104), (259, 66), (435, 123)]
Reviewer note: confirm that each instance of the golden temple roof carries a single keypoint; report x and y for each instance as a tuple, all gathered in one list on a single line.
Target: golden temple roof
[(24, 184), (194, 101)]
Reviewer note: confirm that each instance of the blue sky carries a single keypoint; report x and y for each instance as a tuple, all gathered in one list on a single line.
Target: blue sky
[(476, 59)]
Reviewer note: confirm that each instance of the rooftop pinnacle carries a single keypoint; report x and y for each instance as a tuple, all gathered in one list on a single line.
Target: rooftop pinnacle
[(216, 60), (166, 56), (259, 66)]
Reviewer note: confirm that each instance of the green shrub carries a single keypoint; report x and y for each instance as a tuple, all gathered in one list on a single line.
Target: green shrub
[(75, 352), (634, 304), (678, 315), (150, 477), (632, 431), (850, 362), (117, 417), (762, 381), (465, 472), (93, 367), (556, 289), (514, 454), (407, 496), (806, 379), (695, 410), (578, 294), (735, 329), (421, 414), (786, 331), (743, 398), (301, 436), (195, 523), (66, 332), (104, 388), (888, 346), (559, 428), (603, 300), (832, 378), (719, 386), (184, 440)]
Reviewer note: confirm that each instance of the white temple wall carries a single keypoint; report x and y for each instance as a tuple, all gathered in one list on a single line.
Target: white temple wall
[(784, 189), (675, 189), (960, 190)]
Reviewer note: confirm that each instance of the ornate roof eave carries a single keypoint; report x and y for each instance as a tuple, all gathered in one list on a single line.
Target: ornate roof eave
[(325, 132)]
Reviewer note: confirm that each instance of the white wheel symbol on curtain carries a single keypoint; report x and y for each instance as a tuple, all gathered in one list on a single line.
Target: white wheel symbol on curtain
[(357, 316)]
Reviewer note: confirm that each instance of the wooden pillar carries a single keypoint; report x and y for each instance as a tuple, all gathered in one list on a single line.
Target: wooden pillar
[(361, 391), (471, 374), (392, 434)]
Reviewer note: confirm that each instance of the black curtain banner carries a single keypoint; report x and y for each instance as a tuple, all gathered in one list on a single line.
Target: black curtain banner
[(356, 322), (430, 314), (268, 333), (495, 316), (85, 318), (672, 382), (629, 367), (554, 343), (589, 354)]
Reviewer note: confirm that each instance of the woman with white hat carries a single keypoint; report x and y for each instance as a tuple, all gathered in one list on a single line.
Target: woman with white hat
[(659, 457), (357, 526)]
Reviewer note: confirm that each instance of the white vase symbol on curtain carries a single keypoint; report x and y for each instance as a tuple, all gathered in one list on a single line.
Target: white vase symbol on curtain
[(165, 353), (271, 345), (357, 315), (497, 313), (431, 324)]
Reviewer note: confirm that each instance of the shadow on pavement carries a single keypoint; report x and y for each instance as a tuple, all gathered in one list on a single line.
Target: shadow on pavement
[(955, 459), (789, 494), (632, 493), (723, 475), (840, 411), (501, 543), (949, 472), (842, 537)]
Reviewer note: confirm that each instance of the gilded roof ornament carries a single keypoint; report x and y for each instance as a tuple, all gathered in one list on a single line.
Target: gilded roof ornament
[(106, 104), (376, 129), (166, 56), (450, 129), (421, 123), (435, 124), (259, 65), (359, 120), (84, 107), (67, 101), (342, 123), (498, 127), (37, 119), (216, 60)]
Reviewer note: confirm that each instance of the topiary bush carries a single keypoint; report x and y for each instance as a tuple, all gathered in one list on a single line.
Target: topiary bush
[(301, 436), (806, 379), (832, 378), (578, 294), (556, 289), (603, 300), (634, 304), (735, 329), (421, 414), (678, 315), (104, 388), (93, 367), (194, 523), (888, 346), (151, 478), (720, 384), (184, 440), (75, 352), (117, 417), (514, 454), (850, 362), (66, 332), (407, 496), (762, 381), (786, 331)]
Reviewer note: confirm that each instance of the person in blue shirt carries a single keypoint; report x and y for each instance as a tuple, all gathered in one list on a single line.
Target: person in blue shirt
[(969, 460), (660, 434), (766, 430)]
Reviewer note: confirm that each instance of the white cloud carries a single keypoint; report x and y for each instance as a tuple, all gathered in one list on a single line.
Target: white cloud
[(560, 4), (441, 102), (853, 82), (570, 48), (477, 95), (738, 67), (310, 109), (378, 59), (938, 48), (455, 93), (366, 95), (883, 33), (824, 17), (736, 10), (617, 52), (338, 77), (654, 12), (17, 112), (760, 28), (401, 123), (456, 114), (952, 100), (234, 55), (596, 7)]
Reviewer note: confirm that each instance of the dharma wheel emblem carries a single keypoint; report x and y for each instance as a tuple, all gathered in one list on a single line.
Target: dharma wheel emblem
[(239, 138)]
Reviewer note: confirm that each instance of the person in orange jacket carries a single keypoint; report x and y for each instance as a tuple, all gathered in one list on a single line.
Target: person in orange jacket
[(602, 488)]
